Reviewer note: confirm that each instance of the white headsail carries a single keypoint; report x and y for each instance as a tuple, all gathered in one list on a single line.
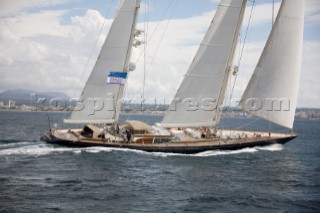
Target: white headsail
[(203, 86), (104, 88), (273, 89)]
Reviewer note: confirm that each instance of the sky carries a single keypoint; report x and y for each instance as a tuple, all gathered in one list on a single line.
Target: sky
[(48, 45)]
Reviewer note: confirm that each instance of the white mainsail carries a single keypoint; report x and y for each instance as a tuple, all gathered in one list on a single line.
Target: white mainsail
[(99, 99), (203, 86), (273, 87)]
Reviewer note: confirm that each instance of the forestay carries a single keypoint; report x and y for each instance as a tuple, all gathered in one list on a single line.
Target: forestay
[(195, 102), (273, 88), (100, 97)]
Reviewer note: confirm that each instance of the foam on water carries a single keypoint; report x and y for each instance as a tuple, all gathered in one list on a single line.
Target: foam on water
[(40, 149), (225, 152), (97, 149), (275, 147), (9, 145), (272, 148), (33, 149)]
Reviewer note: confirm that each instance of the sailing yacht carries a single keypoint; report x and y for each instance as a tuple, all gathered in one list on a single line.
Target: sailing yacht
[(191, 124)]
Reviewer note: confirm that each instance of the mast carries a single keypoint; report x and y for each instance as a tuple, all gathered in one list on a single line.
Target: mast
[(229, 67), (203, 86), (128, 57)]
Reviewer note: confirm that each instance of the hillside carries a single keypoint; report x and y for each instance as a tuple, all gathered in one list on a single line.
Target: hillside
[(28, 97)]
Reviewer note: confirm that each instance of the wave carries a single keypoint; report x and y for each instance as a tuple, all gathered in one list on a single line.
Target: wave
[(272, 148), (15, 144), (39, 149), (6, 141), (33, 149), (226, 152)]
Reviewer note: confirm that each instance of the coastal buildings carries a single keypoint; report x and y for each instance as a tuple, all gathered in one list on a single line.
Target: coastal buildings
[(11, 104)]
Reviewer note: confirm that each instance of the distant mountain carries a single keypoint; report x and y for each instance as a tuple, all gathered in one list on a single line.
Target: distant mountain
[(304, 109), (30, 97), (56, 95)]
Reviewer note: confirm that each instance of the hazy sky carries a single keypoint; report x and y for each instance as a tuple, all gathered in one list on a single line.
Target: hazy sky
[(45, 44)]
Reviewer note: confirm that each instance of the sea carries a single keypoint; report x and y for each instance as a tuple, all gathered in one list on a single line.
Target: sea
[(40, 177)]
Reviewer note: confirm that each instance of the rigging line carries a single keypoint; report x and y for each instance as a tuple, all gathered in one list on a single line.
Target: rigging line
[(246, 124), (253, 120), (242, 49), (155, 30), (224, 85), (126, 88), (94, 46), (122, 88), (146, 29), (162, 36)]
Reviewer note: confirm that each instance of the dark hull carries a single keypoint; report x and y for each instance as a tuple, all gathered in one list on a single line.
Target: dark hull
[(183, 148)]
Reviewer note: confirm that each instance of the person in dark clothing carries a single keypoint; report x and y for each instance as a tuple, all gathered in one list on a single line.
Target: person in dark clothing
[(203, 135), (117, 129), (128, 135)]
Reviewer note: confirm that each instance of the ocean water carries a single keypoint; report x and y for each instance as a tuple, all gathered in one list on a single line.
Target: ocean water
[(39, 177)]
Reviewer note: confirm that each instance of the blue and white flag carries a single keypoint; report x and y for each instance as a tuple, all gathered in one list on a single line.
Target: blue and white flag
[(117, 78)]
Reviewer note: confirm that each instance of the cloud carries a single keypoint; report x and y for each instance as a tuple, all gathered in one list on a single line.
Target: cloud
[(170, 58), (11, 7), (312, 11), (35, 24), (145, 7), (215, 1), (312, 7), (310, 81), (39, 52), (261, 13)]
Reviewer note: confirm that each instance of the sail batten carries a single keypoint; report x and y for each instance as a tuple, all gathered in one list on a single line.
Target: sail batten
[(99, 101), (277, 74), (202, 85)]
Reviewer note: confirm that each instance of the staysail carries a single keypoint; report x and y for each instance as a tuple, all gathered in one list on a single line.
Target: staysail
[(273, 88), (104, 89), (202, 88)]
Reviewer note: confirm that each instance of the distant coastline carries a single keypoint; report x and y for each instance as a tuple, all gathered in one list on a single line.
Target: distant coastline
[(33, 101), (302, 113)]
